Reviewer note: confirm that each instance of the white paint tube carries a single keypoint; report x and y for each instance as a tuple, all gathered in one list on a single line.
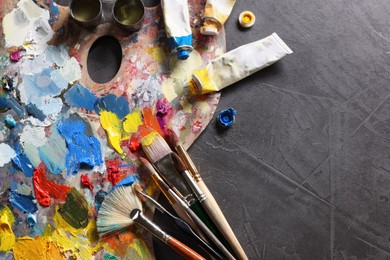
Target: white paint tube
[(177, 25), (238, 64), (216, 13)]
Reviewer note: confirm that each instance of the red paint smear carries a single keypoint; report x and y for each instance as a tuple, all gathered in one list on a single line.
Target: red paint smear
[(134, 143), (46, 189), (86, 182), (151, 120), (114, 172)]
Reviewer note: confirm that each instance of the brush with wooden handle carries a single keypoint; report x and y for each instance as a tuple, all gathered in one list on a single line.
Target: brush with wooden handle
[(209, 204), (150, 169), (121, 208), (175, 205), (180, 224)]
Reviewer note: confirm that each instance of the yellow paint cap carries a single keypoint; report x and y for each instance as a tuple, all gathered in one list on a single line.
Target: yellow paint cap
[(247, 19)]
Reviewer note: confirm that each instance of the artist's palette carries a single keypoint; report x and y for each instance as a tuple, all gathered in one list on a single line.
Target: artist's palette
[(65, 139)]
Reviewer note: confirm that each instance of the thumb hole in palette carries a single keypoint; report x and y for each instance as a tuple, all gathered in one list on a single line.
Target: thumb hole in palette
[(104, 59)]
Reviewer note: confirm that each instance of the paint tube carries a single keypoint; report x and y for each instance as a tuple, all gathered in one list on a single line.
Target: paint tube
[(238, 64), (216, 13), (177, 25)]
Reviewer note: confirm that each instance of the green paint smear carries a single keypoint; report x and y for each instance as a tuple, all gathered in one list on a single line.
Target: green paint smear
[(141, 249), (75, 210), (110, 257)]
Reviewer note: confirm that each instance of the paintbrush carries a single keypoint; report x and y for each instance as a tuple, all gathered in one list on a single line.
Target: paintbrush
[(209, 204), (180, 224), (121, 208), (161, 155), (161, 183), (175, 205)]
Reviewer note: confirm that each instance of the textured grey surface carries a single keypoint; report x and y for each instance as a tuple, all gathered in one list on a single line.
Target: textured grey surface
[(305, 171)]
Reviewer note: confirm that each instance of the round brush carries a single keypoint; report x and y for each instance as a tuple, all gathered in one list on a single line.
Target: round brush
[(121, 208)]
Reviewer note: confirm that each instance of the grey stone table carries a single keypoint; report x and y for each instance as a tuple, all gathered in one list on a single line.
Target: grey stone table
[(304, 173)]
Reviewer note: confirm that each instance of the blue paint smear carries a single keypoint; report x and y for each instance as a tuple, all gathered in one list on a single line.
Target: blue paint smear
[(21, 160), (82, 149), (54, 13), (112, 103), (42, 84), (23, 203), (3, 103), (99, 198), (79, 96), (35, 112), (127, 181)]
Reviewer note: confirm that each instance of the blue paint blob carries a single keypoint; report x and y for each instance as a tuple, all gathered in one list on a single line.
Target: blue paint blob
[(226, 117), (10, 121), (82, 149), (31, 220), (79, 96), (127, 181), (22, 202), (21, 160), (42, 84), (112, 103), (99, 198)]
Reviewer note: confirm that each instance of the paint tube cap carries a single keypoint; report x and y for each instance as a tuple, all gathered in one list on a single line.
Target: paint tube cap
[(208, 30), (226, 117), (247, 19), (183, 54)]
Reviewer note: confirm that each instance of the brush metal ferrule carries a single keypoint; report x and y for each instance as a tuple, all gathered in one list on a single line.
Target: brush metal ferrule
[(188, 162), (194, 186), (138, 217)]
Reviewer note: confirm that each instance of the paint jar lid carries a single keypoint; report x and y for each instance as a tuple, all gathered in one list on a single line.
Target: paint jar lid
[(226, 117), (208, 30), (247, 19), (183, 54)]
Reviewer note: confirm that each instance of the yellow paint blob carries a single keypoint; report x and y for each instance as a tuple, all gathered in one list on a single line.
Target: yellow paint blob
[(114, 129), (148, 139), (7, 237), (132, 121)]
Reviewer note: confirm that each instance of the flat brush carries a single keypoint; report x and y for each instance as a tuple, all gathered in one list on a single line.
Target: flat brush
[(209, 204), (184, 205), (180, 224), (121, 208), (175, 205)]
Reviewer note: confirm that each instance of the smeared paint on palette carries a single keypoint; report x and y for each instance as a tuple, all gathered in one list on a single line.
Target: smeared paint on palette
[(65, 140)]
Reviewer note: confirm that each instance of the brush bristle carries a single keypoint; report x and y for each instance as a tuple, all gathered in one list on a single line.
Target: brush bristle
[(148, 166), (155, 147), (114, 213), (180, 166), (173, 139)]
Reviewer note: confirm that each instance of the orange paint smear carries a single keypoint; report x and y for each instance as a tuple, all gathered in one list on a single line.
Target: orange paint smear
[(46, 189), (151, 120), (119, 242)]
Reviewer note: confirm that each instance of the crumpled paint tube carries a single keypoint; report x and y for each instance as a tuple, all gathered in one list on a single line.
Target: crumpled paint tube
[(177, 25), (216, 13), (238, 64)]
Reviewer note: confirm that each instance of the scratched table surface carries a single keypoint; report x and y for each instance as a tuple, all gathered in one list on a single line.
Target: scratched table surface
[(304, 173)]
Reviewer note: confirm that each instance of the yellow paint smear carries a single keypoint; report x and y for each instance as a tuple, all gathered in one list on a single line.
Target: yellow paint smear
[(132, 121), (203, 77), (181, 71), (7, 237), (158, 53), (148, 139), (37, 248), (113, 126), (78, 242)]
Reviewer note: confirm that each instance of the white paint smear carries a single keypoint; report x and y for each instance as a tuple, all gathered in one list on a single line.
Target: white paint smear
[(6, 154), (31, 138), (70, 70), (28, 23)]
